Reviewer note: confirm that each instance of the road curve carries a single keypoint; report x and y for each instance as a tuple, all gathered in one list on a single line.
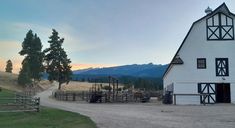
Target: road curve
[(148, 115)]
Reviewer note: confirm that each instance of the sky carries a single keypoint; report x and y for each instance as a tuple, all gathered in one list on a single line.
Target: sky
[(102, 33)]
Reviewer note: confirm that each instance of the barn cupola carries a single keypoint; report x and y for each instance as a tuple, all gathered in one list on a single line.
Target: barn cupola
[(208, 10)]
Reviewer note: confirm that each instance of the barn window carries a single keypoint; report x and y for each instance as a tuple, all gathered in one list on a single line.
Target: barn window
[(221, 67), (220, 27), (201, 63)]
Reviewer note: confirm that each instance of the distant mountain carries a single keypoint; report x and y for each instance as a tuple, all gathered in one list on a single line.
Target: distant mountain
[(135, 70)]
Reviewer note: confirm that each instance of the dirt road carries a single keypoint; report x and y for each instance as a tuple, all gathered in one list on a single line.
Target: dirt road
[(148, 115)]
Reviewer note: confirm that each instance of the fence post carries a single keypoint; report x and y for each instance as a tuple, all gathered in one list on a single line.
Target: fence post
[(174, 99), (83, 95), (38, 104), (66, 96), (74, 96)]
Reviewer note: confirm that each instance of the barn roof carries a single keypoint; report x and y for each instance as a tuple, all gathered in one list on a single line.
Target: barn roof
[(222, 8)]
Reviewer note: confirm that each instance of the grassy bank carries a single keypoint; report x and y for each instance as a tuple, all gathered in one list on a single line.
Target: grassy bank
[(46, 118)]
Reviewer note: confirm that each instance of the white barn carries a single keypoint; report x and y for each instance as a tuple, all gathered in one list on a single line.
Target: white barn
[(205, 61)]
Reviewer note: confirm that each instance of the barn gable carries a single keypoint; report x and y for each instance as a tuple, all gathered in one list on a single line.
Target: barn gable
[(221, 9), (204, 62)]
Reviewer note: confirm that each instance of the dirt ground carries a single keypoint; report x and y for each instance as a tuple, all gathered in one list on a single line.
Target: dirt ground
[(148, 115)]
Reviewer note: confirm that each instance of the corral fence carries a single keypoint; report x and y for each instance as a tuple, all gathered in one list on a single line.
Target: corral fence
[(19, 103), (101, 96), (70, 95)]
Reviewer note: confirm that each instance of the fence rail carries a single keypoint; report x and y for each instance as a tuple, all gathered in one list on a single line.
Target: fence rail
[(102, 96), (19, 103), (201, 95)]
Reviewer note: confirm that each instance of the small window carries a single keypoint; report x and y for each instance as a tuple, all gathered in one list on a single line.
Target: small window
[(201, 63)]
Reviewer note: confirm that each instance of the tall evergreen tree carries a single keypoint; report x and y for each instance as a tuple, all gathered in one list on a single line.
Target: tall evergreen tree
[(24, 74), (9, 66), (57, 62), (32, 50)]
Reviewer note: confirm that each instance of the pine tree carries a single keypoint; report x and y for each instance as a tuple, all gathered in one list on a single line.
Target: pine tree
[(32, 64), (24, 75), (58, 65), (9, 66)]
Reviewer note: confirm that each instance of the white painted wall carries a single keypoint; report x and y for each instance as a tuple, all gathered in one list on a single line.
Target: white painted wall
[(186, 88), (232, 89), (186, 77)]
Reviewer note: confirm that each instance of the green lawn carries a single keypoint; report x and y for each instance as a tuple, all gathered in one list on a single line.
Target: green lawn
[(6, 93), (46, 118)]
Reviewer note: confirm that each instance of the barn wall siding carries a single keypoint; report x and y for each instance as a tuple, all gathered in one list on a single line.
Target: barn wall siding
[(232, 87)]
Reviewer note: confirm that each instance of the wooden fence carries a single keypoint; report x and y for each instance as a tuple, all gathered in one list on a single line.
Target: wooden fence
[(19, 103), (103, 96), (70, 95)]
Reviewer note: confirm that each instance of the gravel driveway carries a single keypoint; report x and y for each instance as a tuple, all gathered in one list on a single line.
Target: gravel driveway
[(148, 115)]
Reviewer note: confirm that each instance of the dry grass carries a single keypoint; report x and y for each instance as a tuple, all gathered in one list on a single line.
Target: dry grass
[(9, 81), (77, 86), (81, 86)]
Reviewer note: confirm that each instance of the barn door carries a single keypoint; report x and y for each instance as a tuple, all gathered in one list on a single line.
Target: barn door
[(209, 89)]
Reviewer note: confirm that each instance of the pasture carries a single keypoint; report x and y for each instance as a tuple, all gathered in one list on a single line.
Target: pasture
[(46, 118)]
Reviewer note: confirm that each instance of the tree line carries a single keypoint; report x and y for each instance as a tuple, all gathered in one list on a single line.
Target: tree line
[(53, 60), (147, 83)]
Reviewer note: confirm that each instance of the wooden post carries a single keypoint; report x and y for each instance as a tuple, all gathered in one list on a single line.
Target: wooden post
[(113, 89), (38, 104), (117, 89), (74, 95), (109, 88), (66, 96), (83, 95), (174, 99)]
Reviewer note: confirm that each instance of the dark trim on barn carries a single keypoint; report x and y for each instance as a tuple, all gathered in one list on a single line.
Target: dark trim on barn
[(220, 28), (177, 60), (206, 88), (198, 63), (222, 66), (215, 93), (208, 15)]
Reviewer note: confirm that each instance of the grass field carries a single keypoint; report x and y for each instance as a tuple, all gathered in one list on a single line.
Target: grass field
[(6, 93), (46, 118)]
